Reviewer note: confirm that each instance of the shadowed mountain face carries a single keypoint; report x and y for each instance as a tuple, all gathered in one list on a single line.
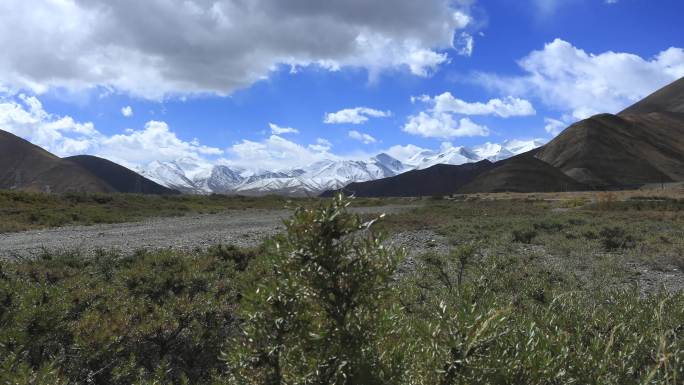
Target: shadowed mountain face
[(119, 177), (643, 144), (522, 173), (25, 166), (441, 179)]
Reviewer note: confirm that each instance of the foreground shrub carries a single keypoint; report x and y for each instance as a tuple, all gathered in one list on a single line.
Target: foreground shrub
[(325, 304), (111, 320), (317, 313), (524, 235), (615, 238)]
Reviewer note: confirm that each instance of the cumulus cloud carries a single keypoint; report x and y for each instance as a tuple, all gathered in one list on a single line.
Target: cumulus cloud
[(155, 142), (464, 44), (578, 83), (361, 137), (127, 111), (277, 153), (503, 108), (25, 117), (406, 152), (556, 126), (321, 145), (442, 125), (356, 115), (199, 46), (439, 121), (277, 130)]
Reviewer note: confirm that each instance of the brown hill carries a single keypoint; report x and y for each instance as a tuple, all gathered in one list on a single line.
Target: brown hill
[(441, 179), (643, 144), (667, 99), (522, 173), (25, 166), (119, 177)]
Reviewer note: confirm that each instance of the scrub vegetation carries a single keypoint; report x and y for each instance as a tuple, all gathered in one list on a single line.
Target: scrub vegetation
[(532, 291), (22, 210)]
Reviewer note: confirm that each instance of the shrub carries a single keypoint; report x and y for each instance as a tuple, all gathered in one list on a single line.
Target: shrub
[(315, 318), (549, 225), (615, 238), (524, 235), (112, 320)]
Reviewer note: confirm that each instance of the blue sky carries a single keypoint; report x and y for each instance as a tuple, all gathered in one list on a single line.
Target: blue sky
[(206, 79)]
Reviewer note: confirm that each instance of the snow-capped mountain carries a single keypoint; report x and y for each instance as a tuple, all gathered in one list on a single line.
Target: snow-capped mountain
[(198, 177), (169, 174), (522, 146), (453, 155), (493, 152), (321, 176)]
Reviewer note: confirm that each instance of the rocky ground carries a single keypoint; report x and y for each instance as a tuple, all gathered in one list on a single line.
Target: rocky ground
[(247, 228), (243, 228)]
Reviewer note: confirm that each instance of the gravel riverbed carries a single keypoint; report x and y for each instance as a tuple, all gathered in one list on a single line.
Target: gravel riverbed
[(243, 228)]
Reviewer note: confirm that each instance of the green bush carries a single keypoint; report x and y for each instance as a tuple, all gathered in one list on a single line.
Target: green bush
[(324, 303), (616, 238), (316, 314), (112, 320), (524, 235)]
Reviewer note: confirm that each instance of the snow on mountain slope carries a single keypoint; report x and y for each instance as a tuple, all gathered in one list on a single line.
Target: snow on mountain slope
[(322, 176), (453, 155), (493, 152), (192, 176), (223, 179), (169, 174), (521, 146)]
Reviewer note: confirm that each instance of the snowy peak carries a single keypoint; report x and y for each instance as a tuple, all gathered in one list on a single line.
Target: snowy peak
[(389, 162), (493, 152), (452, 155), (192, 176), (522, 146), (169, 174)]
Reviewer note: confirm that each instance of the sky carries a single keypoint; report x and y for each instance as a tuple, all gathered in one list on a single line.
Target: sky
[(283, 83)]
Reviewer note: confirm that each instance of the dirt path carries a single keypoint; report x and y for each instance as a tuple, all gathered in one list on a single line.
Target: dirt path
[(242, 228)]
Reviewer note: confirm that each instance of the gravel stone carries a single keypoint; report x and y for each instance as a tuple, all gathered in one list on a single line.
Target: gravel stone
[(242, 228)]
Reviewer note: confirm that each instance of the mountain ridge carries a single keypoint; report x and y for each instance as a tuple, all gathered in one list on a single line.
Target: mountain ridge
[(320, 176), (25, 166)]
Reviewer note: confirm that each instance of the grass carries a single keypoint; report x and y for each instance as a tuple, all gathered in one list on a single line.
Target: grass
[(25, 211), (534, 291)]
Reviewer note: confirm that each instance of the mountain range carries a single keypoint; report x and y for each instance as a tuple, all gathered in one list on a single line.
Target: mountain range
[(24, 166), (192, 176), (640, 145)]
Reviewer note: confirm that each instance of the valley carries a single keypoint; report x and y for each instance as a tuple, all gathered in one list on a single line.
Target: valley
[(307, 192)]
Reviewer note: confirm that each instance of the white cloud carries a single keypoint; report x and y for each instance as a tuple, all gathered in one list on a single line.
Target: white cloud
[(405, 152), (155, 142), (503, 108), (63, 136), (556, 126), (276, 153), (442, 125), (578, 83), (361, 137), (356, 115), (198, 46), (464, 44), (277, 130), (439, 120), (321, 145), (127, 111)]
